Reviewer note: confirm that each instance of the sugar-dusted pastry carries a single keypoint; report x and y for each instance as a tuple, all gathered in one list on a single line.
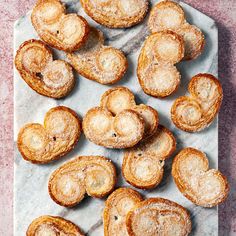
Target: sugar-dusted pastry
[(53, 226), (48, 77), (197, 111), (158, 216), (116, 13), (63, 31), (117, 206), (168, 15), (91, 175), (97, 62), (123, 130), (120, 98), (203, 186), (156, 72), (143, 165), (55, 138)]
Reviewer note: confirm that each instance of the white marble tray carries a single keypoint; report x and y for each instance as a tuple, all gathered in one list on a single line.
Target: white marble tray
[(31, 195)]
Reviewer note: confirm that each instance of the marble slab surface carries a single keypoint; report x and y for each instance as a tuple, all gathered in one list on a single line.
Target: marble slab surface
[(31, 196)]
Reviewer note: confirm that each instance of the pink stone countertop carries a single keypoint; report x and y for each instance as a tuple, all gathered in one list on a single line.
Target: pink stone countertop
[(224, 13)]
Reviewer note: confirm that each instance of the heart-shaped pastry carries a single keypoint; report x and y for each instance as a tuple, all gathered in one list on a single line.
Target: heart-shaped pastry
[(53, 225), (94, 175), (168, 15), (117, 206), (63, 31), (118, 99), (123, 130), (156, 72), (195, 181), (158, 216), (94, 61), (43, 143), (48, 77), (143, 165), (116, 13), (197, 111)]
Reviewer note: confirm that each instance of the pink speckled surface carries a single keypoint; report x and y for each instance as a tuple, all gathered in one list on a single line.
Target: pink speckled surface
[(224, 12)]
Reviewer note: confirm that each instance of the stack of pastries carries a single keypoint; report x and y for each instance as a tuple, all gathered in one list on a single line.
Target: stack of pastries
[(118, 122)]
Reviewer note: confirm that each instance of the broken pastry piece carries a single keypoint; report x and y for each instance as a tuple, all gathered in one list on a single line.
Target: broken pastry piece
[(158, 216), (118, 99), (143, 165), (92, 175), (203, 186), (156, 72), (48, 77), (66, 32), (197, 111), (168, 15), (116, 13), (117, 206), (97, 62), (44, 143), (53, 225)]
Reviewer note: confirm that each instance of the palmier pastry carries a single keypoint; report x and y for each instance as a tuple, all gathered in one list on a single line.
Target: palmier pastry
[(94, 61), (120, 98), (116, 13), (197, 111), (43, 143), (143, 165), (63, 31), (121, 131), (53, 225), (158, 216), (94, 175), (118, 204), (168, 15), (48, 77), (156, 72), (201, 185)]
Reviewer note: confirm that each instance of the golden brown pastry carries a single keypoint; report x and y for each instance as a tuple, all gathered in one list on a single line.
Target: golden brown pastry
[(63, 31), (143, 165), (118, 99), (158, 216), (168, 15), (156, 72), (121, 130), (53, 225), (48, 77), (203, 186), (197, 111), (116, 13), (92, 175), (44, 143), (97, 62), (118, 204)]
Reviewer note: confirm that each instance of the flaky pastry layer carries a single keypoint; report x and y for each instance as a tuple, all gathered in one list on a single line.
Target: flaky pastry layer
[(117, 206), (44, 143), (158, 216), (53, 225), (201, 185), (67, 32), (118, 99), (92, 175), (156, 72), (116, 13), (143, 165), (197, 111), (168, 15), (97, 62), (48, 77)]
